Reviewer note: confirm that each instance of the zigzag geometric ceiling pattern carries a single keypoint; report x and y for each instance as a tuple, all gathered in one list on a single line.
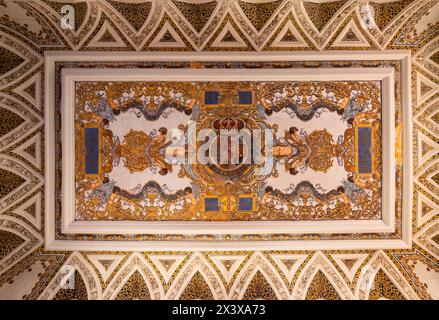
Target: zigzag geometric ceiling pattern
[(30, 28)]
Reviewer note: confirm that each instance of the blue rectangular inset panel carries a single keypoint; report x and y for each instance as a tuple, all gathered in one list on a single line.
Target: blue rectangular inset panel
[(245, 97), (245, 204), (364, 155), (211, 97), (211, 204), (92, 150)]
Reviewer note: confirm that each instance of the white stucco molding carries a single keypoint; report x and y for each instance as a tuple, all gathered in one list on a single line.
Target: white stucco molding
[(71, 226)]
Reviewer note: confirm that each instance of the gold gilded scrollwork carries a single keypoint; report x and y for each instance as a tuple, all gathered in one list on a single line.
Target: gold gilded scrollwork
[(357, 103)]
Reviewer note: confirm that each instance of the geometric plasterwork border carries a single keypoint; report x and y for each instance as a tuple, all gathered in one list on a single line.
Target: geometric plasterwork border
[(32, 240), (258, 263), (380, 261), (53, 38), (76, 262), (197, 263), (319, 262), (136, 262)]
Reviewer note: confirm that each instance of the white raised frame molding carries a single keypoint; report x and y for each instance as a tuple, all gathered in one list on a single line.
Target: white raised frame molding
[(70, 225)]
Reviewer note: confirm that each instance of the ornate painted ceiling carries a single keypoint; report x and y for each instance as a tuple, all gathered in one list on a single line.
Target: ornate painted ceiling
[(330, 77)]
